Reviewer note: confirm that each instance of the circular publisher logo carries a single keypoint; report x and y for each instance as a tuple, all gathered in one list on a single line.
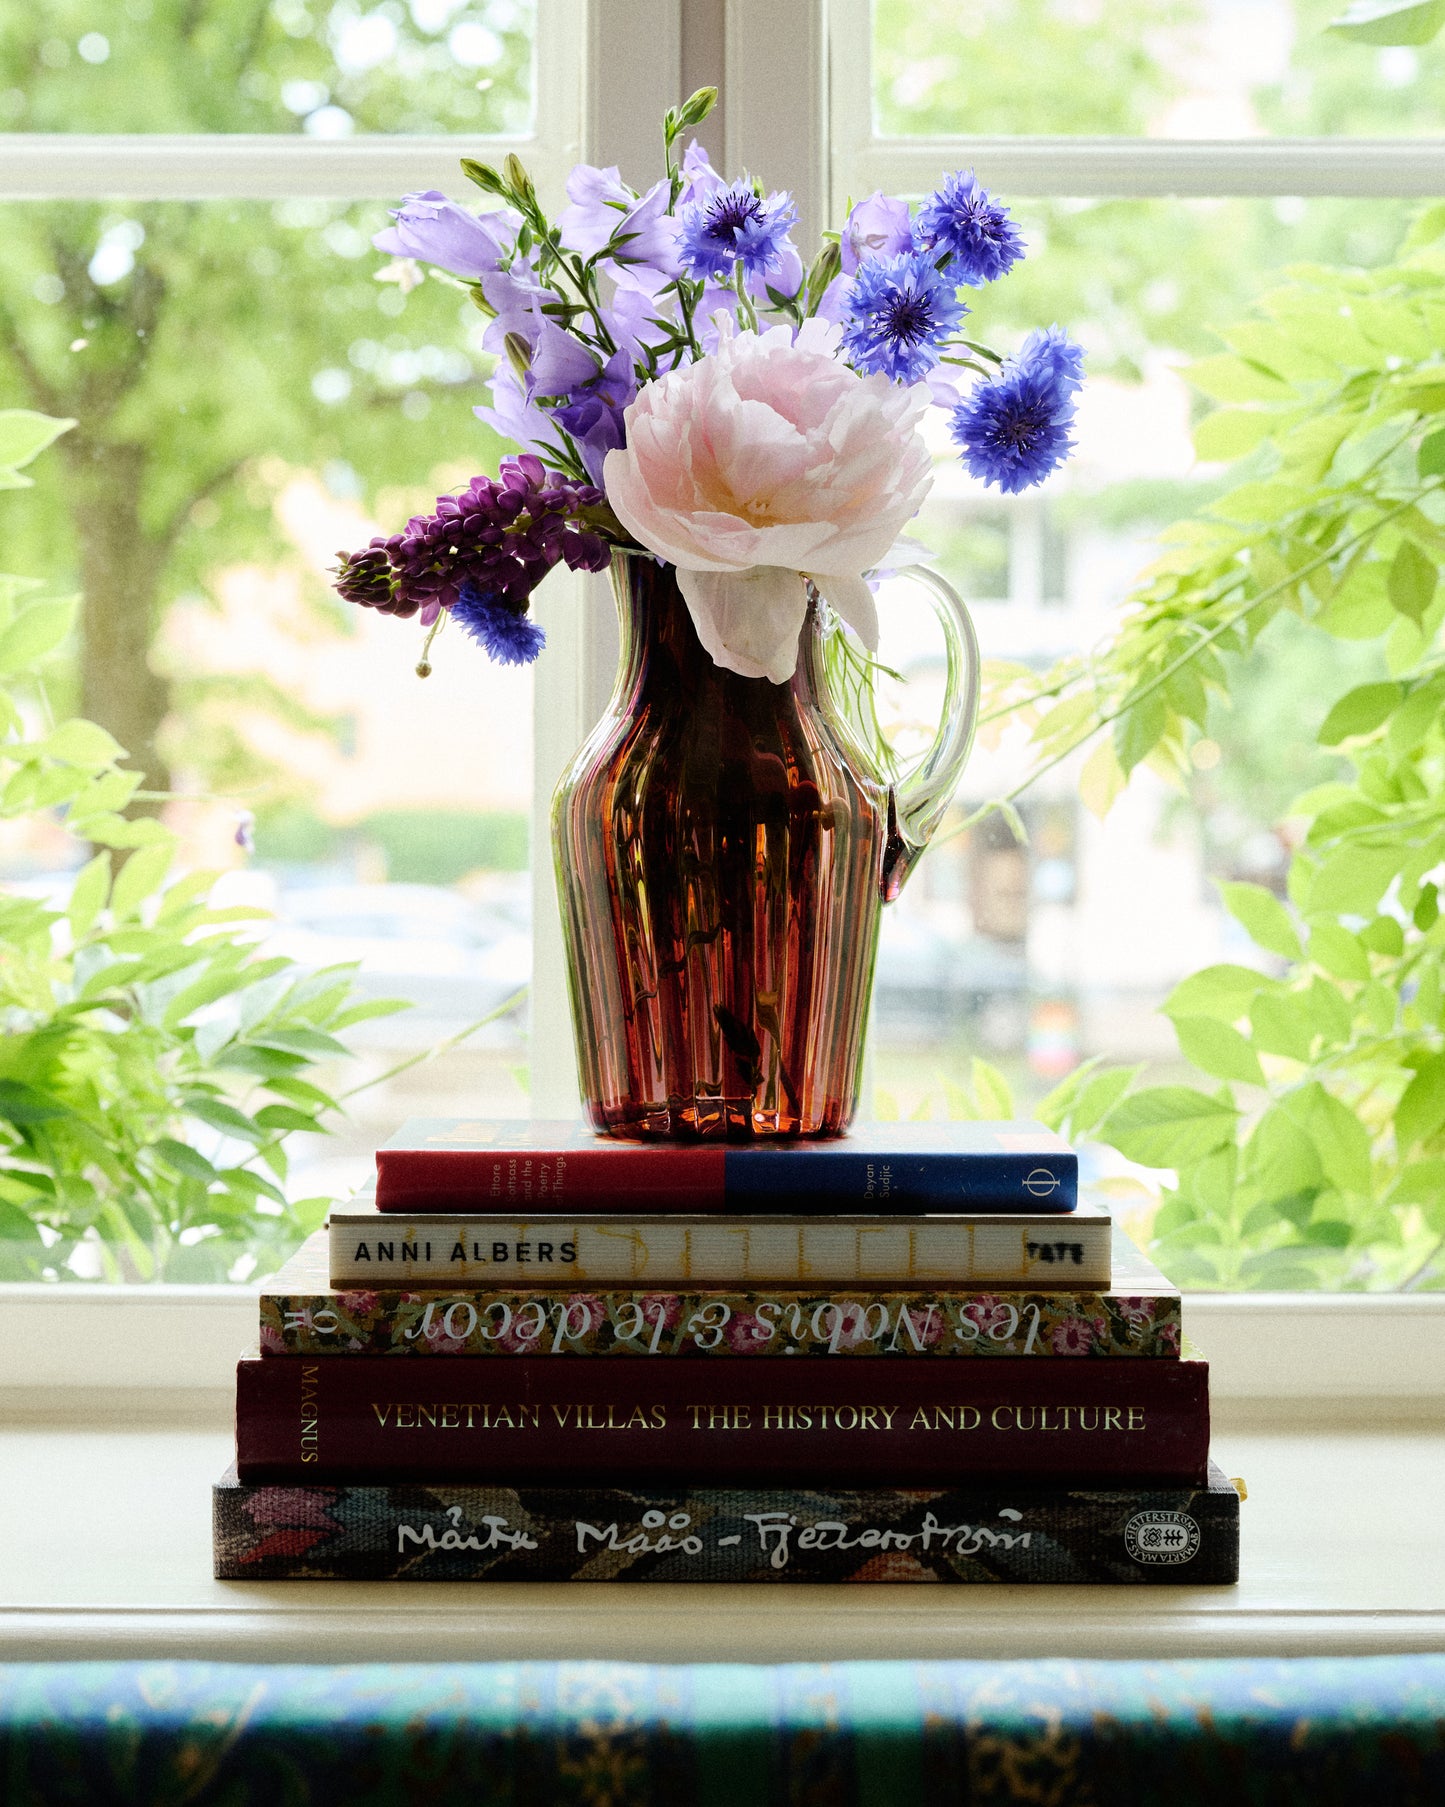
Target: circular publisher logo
[(1040, 1182), (1161, 1537)]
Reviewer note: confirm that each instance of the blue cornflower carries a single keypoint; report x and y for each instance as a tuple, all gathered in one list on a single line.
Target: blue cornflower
[(1014, 430), (509, 635), (734, 225), (900, 310), (1052, 352), (975, 230)]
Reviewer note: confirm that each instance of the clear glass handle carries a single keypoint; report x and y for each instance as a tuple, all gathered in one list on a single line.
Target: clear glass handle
[(917, 802)]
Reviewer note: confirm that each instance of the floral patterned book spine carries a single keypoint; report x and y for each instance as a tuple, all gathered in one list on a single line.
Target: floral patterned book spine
[(720, 1324), (418, 1531)]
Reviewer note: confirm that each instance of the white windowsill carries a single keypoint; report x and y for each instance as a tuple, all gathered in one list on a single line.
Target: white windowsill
[(106, 1535)]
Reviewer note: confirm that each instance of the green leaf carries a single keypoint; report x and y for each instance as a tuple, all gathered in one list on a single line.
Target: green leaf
[(992, 1092), (1230, 433), (1338, 951), (283, 1117), (142, 874), (1431, 461), (24, 435), (1359, 711), (1217, 1049), (1099, 1096), (183, 1159), (220, 1115), (1390, 21), (88, 894), (1222, 991), (31, 636), (81, 743), (1229, 379), (21, 1104), (1171, 1126), (1421, 1110), (302, 1041), (1352, 881), (1280, 1159), (1269, 923), (1411, 583), (1420, 1183), (1337, 1135), (1280, 1022)]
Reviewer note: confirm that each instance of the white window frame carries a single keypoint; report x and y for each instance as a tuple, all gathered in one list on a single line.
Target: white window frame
[(790, 71)]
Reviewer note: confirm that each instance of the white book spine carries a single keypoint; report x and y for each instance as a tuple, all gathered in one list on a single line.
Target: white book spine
[(709, 1252)]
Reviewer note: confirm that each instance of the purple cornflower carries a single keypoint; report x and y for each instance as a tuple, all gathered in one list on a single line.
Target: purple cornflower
[(899, 311), (501, 535), (734, 225), (965, 221), (1014, 429), (508, 633)]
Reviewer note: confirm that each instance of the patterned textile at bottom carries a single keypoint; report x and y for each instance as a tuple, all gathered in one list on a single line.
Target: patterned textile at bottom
[(1048, 1734)]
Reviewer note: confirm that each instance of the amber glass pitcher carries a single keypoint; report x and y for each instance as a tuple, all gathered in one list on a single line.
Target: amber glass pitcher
[(724, 846)]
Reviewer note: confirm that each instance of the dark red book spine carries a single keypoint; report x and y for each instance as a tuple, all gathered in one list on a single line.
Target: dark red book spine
[(609, 1175), (802, 1421)]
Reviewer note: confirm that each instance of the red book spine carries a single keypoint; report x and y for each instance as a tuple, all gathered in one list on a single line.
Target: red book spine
[(610, 1176), (802, 1421)]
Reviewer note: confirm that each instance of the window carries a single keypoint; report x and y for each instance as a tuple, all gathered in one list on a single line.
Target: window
[(1164, 189)]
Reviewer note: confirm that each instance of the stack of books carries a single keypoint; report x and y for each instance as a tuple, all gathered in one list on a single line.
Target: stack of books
[(528, 1353)]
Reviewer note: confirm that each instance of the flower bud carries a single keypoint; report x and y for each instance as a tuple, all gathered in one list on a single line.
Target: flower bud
[(696, 108), (519, 353), (518, 180)]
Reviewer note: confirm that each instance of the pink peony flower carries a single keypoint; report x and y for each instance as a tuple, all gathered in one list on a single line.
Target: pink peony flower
[(765, 463)]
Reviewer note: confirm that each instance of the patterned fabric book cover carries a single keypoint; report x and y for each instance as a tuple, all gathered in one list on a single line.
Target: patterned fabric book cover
[(300, 1314), (437, 1249), (441, 1164), (425, 1531)]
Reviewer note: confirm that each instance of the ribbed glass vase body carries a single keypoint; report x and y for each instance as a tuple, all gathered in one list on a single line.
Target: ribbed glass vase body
[(720, 865)]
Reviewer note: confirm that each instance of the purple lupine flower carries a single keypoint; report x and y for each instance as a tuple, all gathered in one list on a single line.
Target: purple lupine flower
[(368, 578), (502, 535), (1014, 429), (733, 225), (965, 221), (877, 227), (593, 412), (900, 310), (509, 634), (438, 231)]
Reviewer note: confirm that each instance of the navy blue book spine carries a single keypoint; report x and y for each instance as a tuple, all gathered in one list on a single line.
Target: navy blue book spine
[(838, 1177)]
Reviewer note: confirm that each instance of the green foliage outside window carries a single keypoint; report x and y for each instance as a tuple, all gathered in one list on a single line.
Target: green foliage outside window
[(153, 1061), (1312, 1150)]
